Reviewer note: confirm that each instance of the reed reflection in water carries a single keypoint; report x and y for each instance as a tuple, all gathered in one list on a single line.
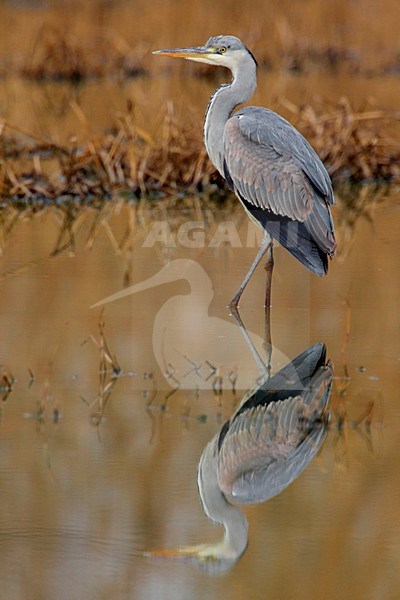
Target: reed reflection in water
[(221, 342), (80, 503)]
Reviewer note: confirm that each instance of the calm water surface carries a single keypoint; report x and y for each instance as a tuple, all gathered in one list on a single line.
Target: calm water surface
[(94, 471)]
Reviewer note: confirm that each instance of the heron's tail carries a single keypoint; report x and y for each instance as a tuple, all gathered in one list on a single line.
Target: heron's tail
[(311, 241), (308, 375), (300, 240)]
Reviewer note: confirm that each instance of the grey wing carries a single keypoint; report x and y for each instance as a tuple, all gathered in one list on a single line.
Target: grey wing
[(271, 167), (288, 141), (266, 448), (259, 134)]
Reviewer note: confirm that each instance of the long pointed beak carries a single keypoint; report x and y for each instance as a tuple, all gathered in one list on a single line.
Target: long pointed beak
[(193, 53), (204, 557), (196, 552), (170, 552)]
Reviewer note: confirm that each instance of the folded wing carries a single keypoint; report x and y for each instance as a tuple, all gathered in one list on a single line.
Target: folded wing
[(282, 183)]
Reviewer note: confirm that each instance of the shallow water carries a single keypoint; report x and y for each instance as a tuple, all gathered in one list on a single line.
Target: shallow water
[(95, 470), (105, 411)]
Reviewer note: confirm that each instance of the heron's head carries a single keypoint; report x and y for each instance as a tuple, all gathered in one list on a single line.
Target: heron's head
[(223, 50)]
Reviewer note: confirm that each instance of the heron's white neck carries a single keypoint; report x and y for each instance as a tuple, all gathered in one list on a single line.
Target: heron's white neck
[(218, 509), (223, 101)]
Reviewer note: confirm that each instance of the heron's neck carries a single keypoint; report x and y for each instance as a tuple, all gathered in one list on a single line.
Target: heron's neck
[(222, 103), (218, 509), (236, 534)]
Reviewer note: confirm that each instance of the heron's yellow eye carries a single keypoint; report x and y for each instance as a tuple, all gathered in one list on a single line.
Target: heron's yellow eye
[(222, 50)]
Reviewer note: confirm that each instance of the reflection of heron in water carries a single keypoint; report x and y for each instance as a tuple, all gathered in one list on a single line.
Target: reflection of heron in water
[(187, 342), (273, 436)]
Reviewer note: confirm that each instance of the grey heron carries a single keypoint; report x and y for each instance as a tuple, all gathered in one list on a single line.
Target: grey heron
[(278, 177), (269, 441)]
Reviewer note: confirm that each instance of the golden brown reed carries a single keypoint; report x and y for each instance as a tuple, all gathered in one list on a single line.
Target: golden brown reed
[(7, 381), (74, 39), (74, 42), (109, 371), (127, 159), (58, 55), (355, 146)]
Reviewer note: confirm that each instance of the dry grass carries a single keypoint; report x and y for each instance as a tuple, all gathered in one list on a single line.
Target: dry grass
[(354, 144), (109, 371), (7, 381), (126, 159), (68, 41), (74, 42), (58, 55)]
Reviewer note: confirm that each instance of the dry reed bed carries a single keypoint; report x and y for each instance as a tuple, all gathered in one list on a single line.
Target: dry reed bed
[(59, 55), (356, 146), (68, 41)]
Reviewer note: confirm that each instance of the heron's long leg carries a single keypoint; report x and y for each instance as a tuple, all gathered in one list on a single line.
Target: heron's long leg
[(266, 244), (262, 367), (267, 339), (269, 267)]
